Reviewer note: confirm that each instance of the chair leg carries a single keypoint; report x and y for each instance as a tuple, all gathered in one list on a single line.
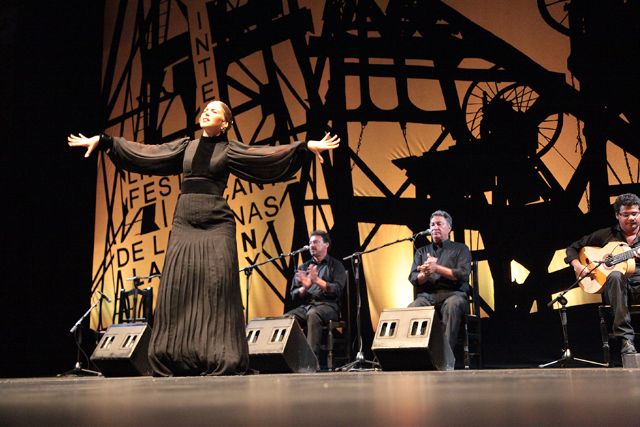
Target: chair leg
[(604, 333), (467, 358), (330, 347)]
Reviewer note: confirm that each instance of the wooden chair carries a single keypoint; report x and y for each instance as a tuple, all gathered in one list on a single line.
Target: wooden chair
[(136, 305), (472, 330), (338, 334), (606, 318)]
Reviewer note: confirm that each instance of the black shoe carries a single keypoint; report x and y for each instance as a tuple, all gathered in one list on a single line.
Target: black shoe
[(627, 347)]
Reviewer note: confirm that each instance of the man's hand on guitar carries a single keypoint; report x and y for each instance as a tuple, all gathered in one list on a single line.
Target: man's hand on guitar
[(582, 270), (600, 262)]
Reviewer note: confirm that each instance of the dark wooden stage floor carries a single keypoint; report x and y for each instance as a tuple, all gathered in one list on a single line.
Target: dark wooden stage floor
[(512, 397)]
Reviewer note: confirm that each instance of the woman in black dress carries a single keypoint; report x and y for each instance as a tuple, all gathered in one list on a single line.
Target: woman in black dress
[(199, 326)]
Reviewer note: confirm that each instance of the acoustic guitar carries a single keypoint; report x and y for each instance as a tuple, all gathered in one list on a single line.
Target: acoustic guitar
[(614, 256)]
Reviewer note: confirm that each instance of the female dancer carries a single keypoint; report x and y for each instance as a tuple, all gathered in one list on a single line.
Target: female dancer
[(198, 326)]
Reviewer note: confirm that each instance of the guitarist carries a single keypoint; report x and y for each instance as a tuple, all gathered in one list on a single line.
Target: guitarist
[(620, 291)]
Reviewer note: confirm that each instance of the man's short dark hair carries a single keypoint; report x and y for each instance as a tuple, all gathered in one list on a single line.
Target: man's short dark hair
[(627, 199), (323, 234), (442, 214)]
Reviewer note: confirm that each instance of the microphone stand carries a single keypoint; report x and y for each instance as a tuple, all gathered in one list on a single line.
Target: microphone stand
[(356, 260), (567, 356), (76, 330), (249, 269)]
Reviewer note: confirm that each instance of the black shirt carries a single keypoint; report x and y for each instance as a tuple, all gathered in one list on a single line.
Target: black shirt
[(330, 270), (453, 255)]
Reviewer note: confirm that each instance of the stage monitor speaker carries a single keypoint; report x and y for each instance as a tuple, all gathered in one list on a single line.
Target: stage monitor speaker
[(277, 344), (122, 351), (410, 339)]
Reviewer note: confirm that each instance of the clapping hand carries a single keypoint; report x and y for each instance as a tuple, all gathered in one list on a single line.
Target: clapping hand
[(429, 266), (313, 273), (303, 278)]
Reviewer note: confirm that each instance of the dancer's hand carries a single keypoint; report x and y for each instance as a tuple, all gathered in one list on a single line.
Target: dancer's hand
[(82, 141), (327, 143)]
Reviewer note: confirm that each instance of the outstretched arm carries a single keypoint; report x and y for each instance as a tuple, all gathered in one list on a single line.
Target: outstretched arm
[(148, 159), (82, 141), (327, 143), (263, 164)]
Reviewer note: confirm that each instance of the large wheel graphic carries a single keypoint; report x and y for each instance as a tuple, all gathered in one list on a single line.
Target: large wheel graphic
[(556, 14), (522, 99)]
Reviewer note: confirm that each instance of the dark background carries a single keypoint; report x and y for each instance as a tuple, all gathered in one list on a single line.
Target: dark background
[(50, 87), (50, 77)]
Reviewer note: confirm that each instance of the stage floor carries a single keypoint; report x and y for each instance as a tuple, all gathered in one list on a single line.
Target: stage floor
[(510, 397)]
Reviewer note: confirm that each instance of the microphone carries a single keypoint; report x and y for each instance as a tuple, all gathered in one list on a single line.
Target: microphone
[(426, 232), (297, 251), (608, 261), (104, 296)]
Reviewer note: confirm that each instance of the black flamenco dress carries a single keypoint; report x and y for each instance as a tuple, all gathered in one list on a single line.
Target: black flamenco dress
[(199, 327)]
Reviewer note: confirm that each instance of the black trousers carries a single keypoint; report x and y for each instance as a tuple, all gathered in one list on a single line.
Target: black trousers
[(451, 305), (620, 293), (314, 316)]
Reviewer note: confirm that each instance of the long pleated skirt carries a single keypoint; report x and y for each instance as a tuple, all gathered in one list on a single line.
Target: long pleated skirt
[(199, 326)]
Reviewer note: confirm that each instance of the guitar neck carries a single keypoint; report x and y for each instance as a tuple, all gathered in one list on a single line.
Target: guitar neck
[(623, 256)]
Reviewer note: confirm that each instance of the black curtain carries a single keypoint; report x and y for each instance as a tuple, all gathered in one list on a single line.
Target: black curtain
[(50, 74)]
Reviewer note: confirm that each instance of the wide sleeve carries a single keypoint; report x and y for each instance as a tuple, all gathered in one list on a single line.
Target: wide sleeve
[(161, 159), (265, 164)]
